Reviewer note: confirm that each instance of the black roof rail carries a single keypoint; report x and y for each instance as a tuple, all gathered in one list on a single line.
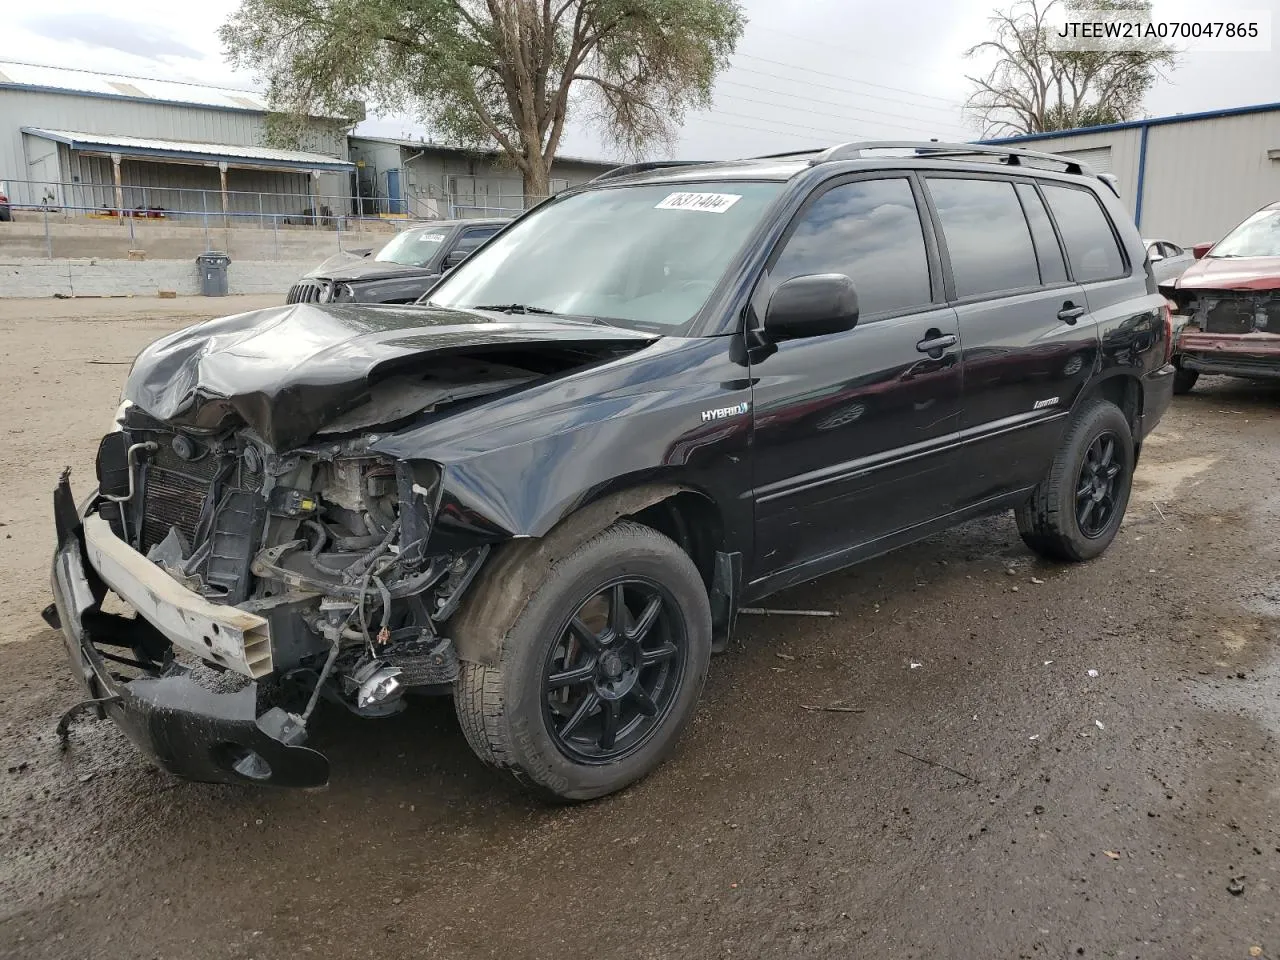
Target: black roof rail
[(1012, 156), (789, 153), (627, 169)]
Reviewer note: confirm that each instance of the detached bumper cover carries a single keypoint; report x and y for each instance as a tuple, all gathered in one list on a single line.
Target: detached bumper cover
[(183, 727)]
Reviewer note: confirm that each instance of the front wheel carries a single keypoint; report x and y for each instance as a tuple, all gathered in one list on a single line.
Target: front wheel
[(1075, 511), (601, 671)]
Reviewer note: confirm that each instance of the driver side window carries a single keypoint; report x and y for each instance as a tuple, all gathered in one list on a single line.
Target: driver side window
[(870, 231)]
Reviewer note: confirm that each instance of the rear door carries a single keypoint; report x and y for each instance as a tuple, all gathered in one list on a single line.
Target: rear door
[(1030, 343), (849, 428)]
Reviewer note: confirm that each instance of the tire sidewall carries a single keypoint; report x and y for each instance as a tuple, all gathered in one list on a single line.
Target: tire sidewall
[(572, 582), (1102, 418)]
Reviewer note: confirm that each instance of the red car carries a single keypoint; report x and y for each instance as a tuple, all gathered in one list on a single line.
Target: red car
[(1227, 305)]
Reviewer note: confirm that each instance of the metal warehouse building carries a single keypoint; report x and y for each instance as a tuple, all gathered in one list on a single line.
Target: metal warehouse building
[(94, 144), (430, 180), (1187, 178)]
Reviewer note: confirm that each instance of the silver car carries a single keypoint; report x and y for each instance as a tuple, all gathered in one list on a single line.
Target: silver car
[(1168, 260)]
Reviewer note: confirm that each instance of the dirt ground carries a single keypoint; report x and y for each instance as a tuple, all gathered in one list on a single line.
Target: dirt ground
[(994, 799)]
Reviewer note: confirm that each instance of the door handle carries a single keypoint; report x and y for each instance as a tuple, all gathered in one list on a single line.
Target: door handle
[(1070, 313), (935, 342)]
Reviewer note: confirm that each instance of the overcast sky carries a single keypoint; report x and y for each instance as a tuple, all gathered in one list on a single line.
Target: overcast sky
[(807, 73)]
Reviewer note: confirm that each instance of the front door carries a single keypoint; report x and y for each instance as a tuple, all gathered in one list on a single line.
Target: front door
[(850, 428)]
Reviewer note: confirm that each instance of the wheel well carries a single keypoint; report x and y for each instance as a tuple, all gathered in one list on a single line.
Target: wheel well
[(1126, 393), (693, 522)]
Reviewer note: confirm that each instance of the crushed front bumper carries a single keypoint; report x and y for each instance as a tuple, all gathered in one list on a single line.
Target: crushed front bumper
[(182, 726), (1230, 354)]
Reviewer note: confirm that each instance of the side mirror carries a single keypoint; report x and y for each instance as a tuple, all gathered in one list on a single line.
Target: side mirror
[(1156, 257), (1200, 249), (811, 306), (453, 258)]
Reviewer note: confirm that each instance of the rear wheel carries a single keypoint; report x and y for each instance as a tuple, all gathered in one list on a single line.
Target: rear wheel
[(601, 671), (1184, 380), (1075, 512)]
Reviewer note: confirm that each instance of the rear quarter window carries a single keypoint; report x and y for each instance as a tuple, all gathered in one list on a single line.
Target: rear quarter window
[(1086, 232)]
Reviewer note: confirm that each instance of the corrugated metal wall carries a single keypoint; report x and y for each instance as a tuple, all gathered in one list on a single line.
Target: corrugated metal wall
[(1202, 176), (1206, 176), (83, 114)]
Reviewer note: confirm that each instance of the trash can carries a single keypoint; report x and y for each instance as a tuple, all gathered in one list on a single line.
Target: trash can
[(212, 267)]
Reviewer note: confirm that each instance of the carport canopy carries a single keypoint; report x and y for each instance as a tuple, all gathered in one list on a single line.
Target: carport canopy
[(186, 151), (223, 156)]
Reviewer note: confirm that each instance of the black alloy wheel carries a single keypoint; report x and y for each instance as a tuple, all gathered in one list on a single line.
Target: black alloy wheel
[(1101, 477), (611, 677)]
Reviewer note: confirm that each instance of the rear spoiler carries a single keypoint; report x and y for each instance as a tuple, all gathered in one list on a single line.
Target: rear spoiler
[(1112, 181)]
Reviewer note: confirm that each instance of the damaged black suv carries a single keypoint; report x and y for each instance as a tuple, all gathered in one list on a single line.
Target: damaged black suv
[(548, 489)]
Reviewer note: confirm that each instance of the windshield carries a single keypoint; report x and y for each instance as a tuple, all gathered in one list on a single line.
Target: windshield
[(1259, 236), (413, 248), (644, 256)]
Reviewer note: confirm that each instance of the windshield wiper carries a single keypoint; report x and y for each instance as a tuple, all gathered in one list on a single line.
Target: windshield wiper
[(513, 308)]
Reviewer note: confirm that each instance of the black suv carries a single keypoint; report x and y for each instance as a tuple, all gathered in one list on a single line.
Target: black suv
[(547, 490), (402, 271)]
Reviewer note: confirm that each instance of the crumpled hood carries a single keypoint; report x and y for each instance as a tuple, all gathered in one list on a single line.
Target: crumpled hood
[(287, 371), (347, 269), (1232, 273)]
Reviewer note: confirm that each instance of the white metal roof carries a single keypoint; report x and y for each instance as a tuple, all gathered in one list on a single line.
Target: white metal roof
[(485, 151), (190, 150), (18, 75), (113, 85)]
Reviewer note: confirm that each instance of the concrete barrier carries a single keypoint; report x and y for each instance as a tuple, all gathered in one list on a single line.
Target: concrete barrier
[(20, 277), (176, 240)]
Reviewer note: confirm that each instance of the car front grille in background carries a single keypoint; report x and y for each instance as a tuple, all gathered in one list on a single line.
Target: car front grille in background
[(308, 291)]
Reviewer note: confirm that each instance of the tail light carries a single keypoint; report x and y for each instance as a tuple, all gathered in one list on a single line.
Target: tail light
[(1168, 331)]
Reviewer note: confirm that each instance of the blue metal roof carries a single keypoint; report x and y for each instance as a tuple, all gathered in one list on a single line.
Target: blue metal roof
[(1133, 124)]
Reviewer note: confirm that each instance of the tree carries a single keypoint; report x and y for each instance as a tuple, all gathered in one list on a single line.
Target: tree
[(1031, 87), (484, 73)]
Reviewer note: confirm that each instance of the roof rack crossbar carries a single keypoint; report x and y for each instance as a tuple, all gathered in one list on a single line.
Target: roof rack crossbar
[(627, 169), (854, 150)]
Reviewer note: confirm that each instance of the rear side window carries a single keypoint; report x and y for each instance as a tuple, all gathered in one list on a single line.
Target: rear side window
[(988, 240), (868, 230), (1052, 267), (1086, 233), (471, 239)]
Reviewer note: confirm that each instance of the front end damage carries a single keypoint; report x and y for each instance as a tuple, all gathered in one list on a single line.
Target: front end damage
[(216, 587), (1228, 332)]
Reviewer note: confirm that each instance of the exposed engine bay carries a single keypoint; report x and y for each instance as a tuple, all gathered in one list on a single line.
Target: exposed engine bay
[(327, 543), (1230, 311)]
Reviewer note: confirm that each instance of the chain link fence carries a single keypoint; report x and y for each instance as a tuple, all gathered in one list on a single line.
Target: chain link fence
[(63, 219)]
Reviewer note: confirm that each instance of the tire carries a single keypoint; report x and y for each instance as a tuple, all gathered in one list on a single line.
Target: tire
[(554, 741), (1050, 521), (1184, 380)]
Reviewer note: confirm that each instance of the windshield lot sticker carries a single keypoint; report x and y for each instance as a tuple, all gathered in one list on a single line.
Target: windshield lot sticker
[(702, 202)]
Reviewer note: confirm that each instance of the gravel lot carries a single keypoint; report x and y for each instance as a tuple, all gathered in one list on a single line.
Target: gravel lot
[(995, 801)]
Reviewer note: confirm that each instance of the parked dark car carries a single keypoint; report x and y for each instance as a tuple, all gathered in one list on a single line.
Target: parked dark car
[(1227, 305), (548, 489), (402, 271), (6, 214)]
